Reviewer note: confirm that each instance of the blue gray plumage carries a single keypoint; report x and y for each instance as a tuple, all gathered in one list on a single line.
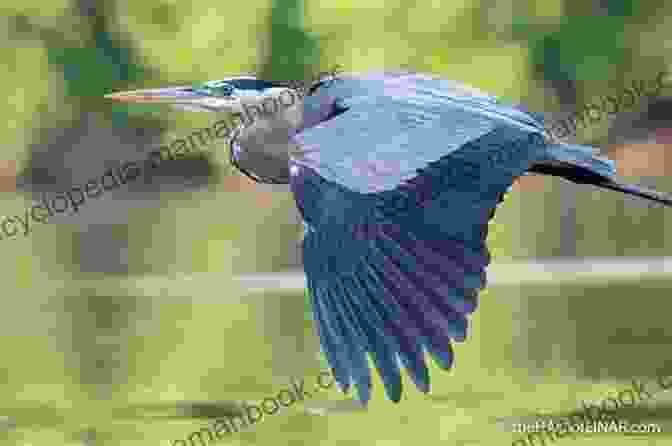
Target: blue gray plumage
[(396, 176)]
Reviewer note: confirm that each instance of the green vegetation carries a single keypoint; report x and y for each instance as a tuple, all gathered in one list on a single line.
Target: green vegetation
[(125, 357)]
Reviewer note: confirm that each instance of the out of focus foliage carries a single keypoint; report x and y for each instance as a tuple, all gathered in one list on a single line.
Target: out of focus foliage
[(234, 346)]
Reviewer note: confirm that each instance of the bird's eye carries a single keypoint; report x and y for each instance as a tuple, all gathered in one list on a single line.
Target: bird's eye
[(220, 89)]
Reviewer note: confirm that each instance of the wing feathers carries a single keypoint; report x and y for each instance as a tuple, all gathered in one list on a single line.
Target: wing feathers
[(404, 295), (423, 295), (451, 260), (351, 345), (404, 336), (330, 341), (377, 344)]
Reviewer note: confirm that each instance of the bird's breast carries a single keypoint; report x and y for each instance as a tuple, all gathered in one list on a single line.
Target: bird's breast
[(324, 203)]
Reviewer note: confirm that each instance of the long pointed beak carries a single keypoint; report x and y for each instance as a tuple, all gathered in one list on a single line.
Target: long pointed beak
[(170, 95)]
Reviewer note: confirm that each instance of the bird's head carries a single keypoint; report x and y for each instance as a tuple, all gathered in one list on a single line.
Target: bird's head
[(271, 112)]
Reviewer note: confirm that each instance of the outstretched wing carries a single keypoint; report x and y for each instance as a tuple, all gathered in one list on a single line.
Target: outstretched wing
[(393, 273)]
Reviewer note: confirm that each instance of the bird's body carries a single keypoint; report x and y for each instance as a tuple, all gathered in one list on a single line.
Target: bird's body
[(396, 176)]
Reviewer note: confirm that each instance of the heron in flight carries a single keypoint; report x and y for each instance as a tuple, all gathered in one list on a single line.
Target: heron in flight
[(396, 176)]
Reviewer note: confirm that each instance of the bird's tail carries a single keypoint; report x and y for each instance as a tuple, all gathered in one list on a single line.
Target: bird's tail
[(578, 164)]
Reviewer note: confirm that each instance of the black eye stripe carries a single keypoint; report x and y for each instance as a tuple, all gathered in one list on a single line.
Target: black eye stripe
[(315, 87)]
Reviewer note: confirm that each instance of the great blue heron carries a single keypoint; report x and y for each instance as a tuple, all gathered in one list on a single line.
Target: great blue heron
[(396, 176)]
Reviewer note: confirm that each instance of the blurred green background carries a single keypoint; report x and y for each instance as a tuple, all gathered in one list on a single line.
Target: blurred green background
[(121, 325)]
